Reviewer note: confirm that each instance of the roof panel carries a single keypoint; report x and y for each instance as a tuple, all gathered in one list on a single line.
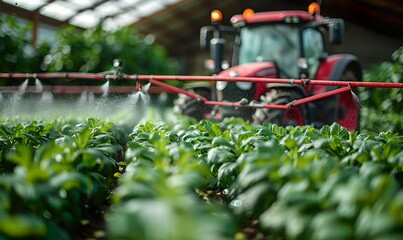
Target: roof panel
[(110, 24), (169, 2), (107, 9), (124, 12), (113, 24), (82, 3), (86, 19), (60, 10), (126, 18), (129, 3), (26, 4), (149, 7), (87, 13)]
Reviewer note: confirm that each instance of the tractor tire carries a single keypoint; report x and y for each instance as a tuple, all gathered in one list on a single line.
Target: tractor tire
[(294, 116), (194, 108)]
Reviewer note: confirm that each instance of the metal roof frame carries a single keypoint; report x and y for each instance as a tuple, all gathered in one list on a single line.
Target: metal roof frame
[(68, 11), (176, 26)]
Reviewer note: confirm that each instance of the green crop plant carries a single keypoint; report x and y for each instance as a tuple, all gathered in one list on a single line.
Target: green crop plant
[(51, 175), (198, 180)]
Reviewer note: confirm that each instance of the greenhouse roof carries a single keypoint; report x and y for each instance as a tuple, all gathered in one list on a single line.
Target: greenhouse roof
[(112, 14), (175, 24)]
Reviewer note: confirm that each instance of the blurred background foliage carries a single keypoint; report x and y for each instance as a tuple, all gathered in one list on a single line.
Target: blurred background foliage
[(385, 72), (381, 107), (95, 49), (17, 53), (77, 50)]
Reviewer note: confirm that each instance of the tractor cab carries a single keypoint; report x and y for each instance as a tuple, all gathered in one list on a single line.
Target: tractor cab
[(293, 40), (285, 45)]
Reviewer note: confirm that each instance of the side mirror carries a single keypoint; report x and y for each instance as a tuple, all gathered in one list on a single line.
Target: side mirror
[(217, 53), (336, 31), (206, 34)]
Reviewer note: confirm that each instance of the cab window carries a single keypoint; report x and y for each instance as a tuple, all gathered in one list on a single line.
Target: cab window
[(313, 48), (276, 43)]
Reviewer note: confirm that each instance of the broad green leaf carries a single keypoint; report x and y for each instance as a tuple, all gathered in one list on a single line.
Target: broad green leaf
[(31, 139), (373, 224), (254, 200), (383, 188), (82, 138), (221, 141), (289, 142), (213, 129), (90, 158), (376, 153), (227, 173), (249, 143), (265, 154), (275, 129), (226, 135), (366, 145), (68, 181), (265, 132), (219, 155), (297, 223), (352, 137), (350, 196), (114, 151), (23, 156), (136, 151), (275, 217), (296, 192), (5, 130), (396, 207), (353, 159), (329, 225), (92, 123), (136, 219), (372, 169), (390, 150), (22, 226), (397, 160), (251, 175), (339, 132)]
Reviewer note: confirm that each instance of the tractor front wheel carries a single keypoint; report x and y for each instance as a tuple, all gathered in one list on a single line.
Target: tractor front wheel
[(280, 96), (195, 108)]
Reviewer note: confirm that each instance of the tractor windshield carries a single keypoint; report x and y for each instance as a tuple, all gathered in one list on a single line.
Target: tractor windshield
[(276, 43)]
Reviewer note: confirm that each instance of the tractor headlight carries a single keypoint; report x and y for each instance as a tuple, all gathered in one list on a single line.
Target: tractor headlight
[(302, 63), (220, 85)]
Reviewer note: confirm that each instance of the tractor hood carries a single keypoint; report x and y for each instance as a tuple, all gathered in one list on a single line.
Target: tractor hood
[(256, 69)]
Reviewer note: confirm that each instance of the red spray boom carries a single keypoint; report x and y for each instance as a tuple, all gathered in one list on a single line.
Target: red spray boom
[(159, 81)]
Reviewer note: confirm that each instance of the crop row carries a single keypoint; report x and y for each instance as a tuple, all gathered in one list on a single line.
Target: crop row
[(52, 175), (198, 180), (294, 183)]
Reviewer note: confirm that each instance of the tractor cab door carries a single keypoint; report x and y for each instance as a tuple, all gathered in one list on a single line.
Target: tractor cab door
[(313, 49)]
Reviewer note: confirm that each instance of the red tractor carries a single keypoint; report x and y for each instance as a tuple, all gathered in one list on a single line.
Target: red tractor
[(285, 45)]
